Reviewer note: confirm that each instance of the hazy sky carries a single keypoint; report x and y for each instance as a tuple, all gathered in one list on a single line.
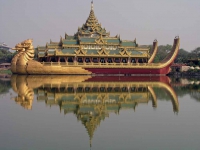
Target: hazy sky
[(144, 20)]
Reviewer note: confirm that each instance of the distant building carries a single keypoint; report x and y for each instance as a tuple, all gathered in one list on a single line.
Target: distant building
[(195, 61), (3, 46), (180, 67)]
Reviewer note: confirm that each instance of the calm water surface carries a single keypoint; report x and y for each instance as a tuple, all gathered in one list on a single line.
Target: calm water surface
[(114, 113)]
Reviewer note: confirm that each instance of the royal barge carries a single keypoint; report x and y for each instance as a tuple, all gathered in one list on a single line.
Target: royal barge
[(91, 50)]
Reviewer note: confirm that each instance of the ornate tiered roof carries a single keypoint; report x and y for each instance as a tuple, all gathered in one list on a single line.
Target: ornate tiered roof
[(92, 26), (92, 39)]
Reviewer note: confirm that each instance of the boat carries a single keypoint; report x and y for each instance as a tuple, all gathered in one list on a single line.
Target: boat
[(91, 50)]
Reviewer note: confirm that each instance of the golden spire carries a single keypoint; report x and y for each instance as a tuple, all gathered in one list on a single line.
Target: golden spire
[(92, 6), (92, 20), (92, 26)]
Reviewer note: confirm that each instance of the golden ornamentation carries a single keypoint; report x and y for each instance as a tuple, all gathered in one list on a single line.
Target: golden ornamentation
[(154, 51), (124, 52), (80, 51), (79, 97), (103, 51), (26, 51), (100, 40), (58, 52)]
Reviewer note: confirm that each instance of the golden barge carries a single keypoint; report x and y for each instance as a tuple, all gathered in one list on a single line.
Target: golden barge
[(91, 51)]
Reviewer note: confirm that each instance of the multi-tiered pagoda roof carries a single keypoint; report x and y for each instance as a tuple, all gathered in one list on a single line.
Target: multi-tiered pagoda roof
[(91, 40), (92, 27)]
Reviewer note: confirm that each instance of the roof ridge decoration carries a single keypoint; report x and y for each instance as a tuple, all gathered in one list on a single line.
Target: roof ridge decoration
[(80, 97), (102, 97), (61, 41), (124, 97), (100, 40), (80, 51), (66, 35), (103, 51), (125, 52)]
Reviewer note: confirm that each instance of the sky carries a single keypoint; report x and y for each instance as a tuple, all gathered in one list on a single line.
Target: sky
[(145, 20)]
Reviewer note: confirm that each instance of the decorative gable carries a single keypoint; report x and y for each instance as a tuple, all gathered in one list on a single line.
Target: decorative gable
[(80, 51), (100, 40), (103, 51), (125, 52)]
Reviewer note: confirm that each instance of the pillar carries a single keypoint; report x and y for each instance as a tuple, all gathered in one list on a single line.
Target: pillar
[(58, 59)]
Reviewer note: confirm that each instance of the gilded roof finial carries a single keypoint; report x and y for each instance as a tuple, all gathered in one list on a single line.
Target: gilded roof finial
[(92, 6)]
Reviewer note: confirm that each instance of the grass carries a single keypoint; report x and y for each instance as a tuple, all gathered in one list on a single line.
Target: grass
[(5, 72)]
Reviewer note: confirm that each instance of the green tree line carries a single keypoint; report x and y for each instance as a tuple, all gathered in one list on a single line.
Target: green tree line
[(6, 56), (182, 56)]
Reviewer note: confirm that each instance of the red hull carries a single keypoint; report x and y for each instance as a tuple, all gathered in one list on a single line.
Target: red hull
[(128, 71)]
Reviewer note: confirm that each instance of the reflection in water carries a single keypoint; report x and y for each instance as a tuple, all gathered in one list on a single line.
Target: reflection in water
[(25, 93), (191, 86), (4, 85), (195, 95), (91, 99)]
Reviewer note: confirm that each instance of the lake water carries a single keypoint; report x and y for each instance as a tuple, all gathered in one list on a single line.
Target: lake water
[(111, 113)]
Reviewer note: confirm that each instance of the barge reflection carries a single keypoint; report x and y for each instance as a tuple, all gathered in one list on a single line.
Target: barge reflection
[(76, 92), (91, 99)]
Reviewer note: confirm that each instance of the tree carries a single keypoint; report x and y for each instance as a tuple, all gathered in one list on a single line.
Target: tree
[(163, 51), (6, 56), (195, 53), (182, 56)]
